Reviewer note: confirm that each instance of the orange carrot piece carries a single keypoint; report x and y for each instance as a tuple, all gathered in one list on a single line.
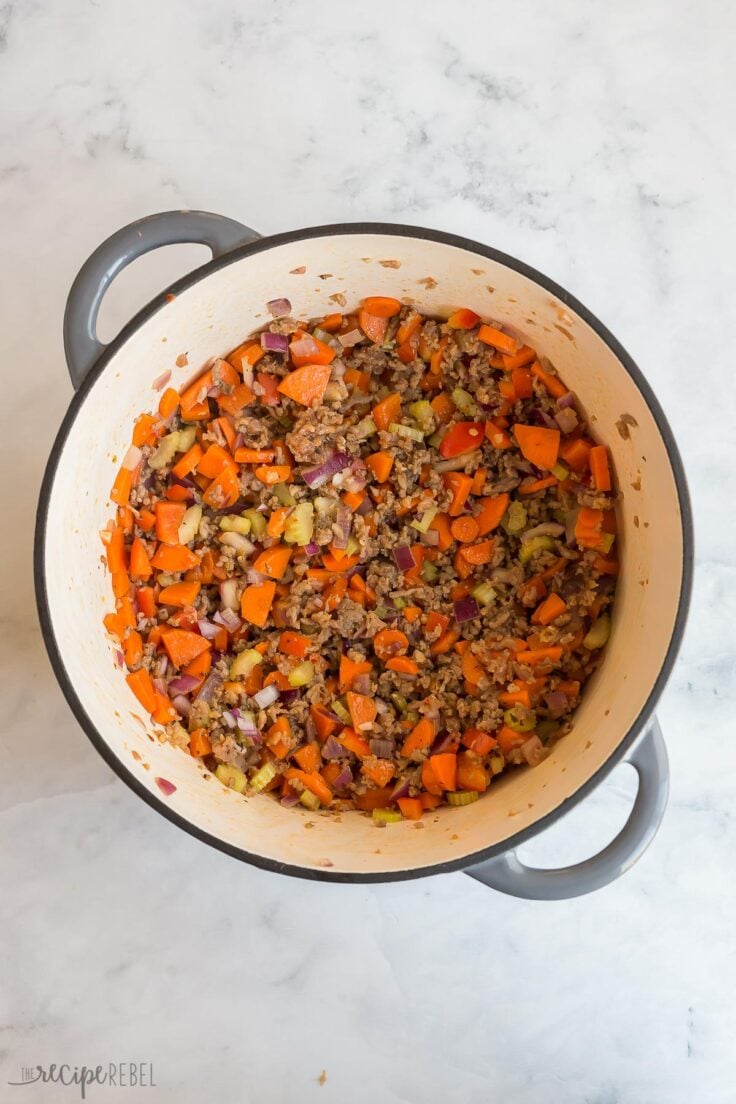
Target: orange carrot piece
[(140, 683), (313, 782), (254, 456), (471, 668), (372, 326), (411, 808), (322, 355), (445, 643), (381, 306), (532, 486), (168, 402), (463, 319), (372, 799), (459, 486), (403, 665), (480, 553), (199, 743), (246, 355), (412, 613), (140, 564), (294, 644), (430, 780), (523, 383), (273, 561), (491, 513), (512, 361), (122, 486), (146, 599), (174, 558), (179, 594), (554, 384), (143, 429), (538, 444), (380, 463), (168, 519), (471, 774), (489, 335), (390, 642), (133, 648), (509, 698), (388, 410), (256, 601), (350, 739), (200, 665), (380, 771), (441, 524), (599, 468), (576, 453), (479, 742), (465, 529), (362, 709), (349, 671), (236, 400), (331, 323), (182, 646), (308, 757), (324, 721), (549, 609), (421, 736), (443, 407), (534, 656), (306, 385), (223, 491), (479, 481)]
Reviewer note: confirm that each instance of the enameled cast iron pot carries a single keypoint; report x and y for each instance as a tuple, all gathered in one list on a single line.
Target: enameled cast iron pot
[(209, 312)]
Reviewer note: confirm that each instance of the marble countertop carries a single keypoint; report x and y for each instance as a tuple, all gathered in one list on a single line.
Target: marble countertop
[(595, 142)]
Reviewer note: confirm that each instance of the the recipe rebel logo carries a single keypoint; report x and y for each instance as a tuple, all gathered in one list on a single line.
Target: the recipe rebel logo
[(116, 1075)]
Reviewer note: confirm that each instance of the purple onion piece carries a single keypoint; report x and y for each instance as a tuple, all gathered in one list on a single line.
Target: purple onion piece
[(344, 778), (365, 507), (541, 417), (567, 420), (290, 800), (267, 696), (557, 701), (184, 684), (331, 749), (182, 705), (566, 400), (211, 685), (315, 477), (404, 557), (382, 749), (167, 788), (228, 618), (279, 308), (401, 789), (466, 609), (208, 630), (312, 549), (289, 697), (343, 525), (274, 343), (441, 743), (229, 719)]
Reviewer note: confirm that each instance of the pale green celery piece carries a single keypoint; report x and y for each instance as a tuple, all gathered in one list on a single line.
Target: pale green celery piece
[(497, 763), (399, 602), (366, 427), (187, 437), (515, 518), (412, 716), (257, 523), (606, 542), (559, 471), (321, 335), (400, 702), (179, 735), (302, 674), (164, 579), (284, 495), (244, 663), (262, 777), (598, 633), (429, 571), (231, 777), (436, 438), (546, 729), (464, 401), (190, 524), (423, 523), (340, 711), (166, 451), (352, 547), (381, 612), (411, 432), (309, 800), (518, 721), (300, 524), (462, 797), (530, 548), (484, 593), (422, 413), (387, 816), (234, 523)]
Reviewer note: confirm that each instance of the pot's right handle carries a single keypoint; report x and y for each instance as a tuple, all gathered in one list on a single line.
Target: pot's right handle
[(81, 343), (507, 874)]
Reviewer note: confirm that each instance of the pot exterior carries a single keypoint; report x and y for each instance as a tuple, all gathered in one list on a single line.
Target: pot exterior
[(206, 315)]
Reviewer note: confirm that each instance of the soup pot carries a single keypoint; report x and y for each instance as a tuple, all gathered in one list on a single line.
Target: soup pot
[(208, 313)]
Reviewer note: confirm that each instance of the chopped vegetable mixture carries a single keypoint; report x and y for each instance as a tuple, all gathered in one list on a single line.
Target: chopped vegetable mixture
[(364, 562)]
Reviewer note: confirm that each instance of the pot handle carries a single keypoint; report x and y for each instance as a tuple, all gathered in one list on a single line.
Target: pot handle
[(81, 344), (508, 875)]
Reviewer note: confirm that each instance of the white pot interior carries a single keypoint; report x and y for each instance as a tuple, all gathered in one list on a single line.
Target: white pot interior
[(210, 318)]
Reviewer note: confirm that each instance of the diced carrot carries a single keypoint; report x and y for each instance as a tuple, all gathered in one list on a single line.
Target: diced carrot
[(143, 429), (174, 558), (533, 486), (380, 463), (306, 385), (168, 519), (321, 355), (254, 456), (459, 486), (443, 407), (411, 613), (115, 551), (522, 381), (256, 601), (510, 698), (478, 741), (314, 782), (380, 771), (223, 491), (465, 528), (549, 610), (273, 561), (479, 481), (362, 709), (471, 774), (538, 444), (188, 462), (430, 801), (480, 553), (421, 736), (491, 513), (294, 644), (199, 743), (248, 354), (411, 808), (508, 738), (350, 739), (463, 319), (382, 306), (122, 486), (236, 400), (331, 323), (606, 565), (179, 594), (372, 799), (409, 327), (332, 563), (599, 468), (146, 599), (430, 780), (146, 520), (534, 656), (140, 683), (576, 453), (140, 564), (353, 499), (387, 411), (489, 335), (390, 642), (200, 666), (350, 670), (554, 384), (183, 646), (524, 356), (436, 620), (445, 643), (497, 436), (403, 665), (372, 326), (325, 722), (507, 390), (168, 402), (471, 668), (308, 757), (441, 524), (133, 648)]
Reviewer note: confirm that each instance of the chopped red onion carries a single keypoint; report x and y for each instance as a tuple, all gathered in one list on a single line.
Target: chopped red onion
[(229, 594), (343, 525), (556, 701), (567, 420), (274, 343), (184, 684), (533, 750), (401, 789), (442, 742), (132, 458), (214, 392), (182, 705), (161, 380), (315, 477), (211, 685), (305, 346), (352, 337), (404, 557), (229, 719), (356, 479), (119, 659), (167, 788), (267, 696), (382, 749), (344, 778), (331, 749), (254, 577), (238, 442), (566, 400), (248, 726), (365, 507), (466, 609), (431, 537), (228, 618), (207, 629), (541, 417), (279, 308), (288, 697), (312, 549), (290, 799)]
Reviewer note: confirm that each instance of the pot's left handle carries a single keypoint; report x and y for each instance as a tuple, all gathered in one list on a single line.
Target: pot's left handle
[(81, 344)]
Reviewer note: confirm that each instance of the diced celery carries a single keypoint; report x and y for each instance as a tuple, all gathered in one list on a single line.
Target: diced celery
[(429, 571), (462, 797), (309, 800), (187, 437), (262, 777), (400, 702), (423, 522), (399, 602), (515, 518), (340, 711), (366, 427), (190, 524), (352, 547), (422, 413), (302, 674), (284, 495), (521, 720), (300, 524), (412, 715), (257, 522), (484, 593), (411, 432), (234, 523), (546, 729), (386, 816), (559, 471), (244, 663), (436, 439), (166, 451), (531, 547), (496, 763), (164, 578), (231, 777), (464, 401), (322, 335), (605, 544), (598, 633)]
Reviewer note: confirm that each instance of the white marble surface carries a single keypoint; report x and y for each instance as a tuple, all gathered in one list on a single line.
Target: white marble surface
[(596, 142)]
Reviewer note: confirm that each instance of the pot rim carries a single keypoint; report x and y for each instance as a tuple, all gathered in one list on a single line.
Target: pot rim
[(199, 274)]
